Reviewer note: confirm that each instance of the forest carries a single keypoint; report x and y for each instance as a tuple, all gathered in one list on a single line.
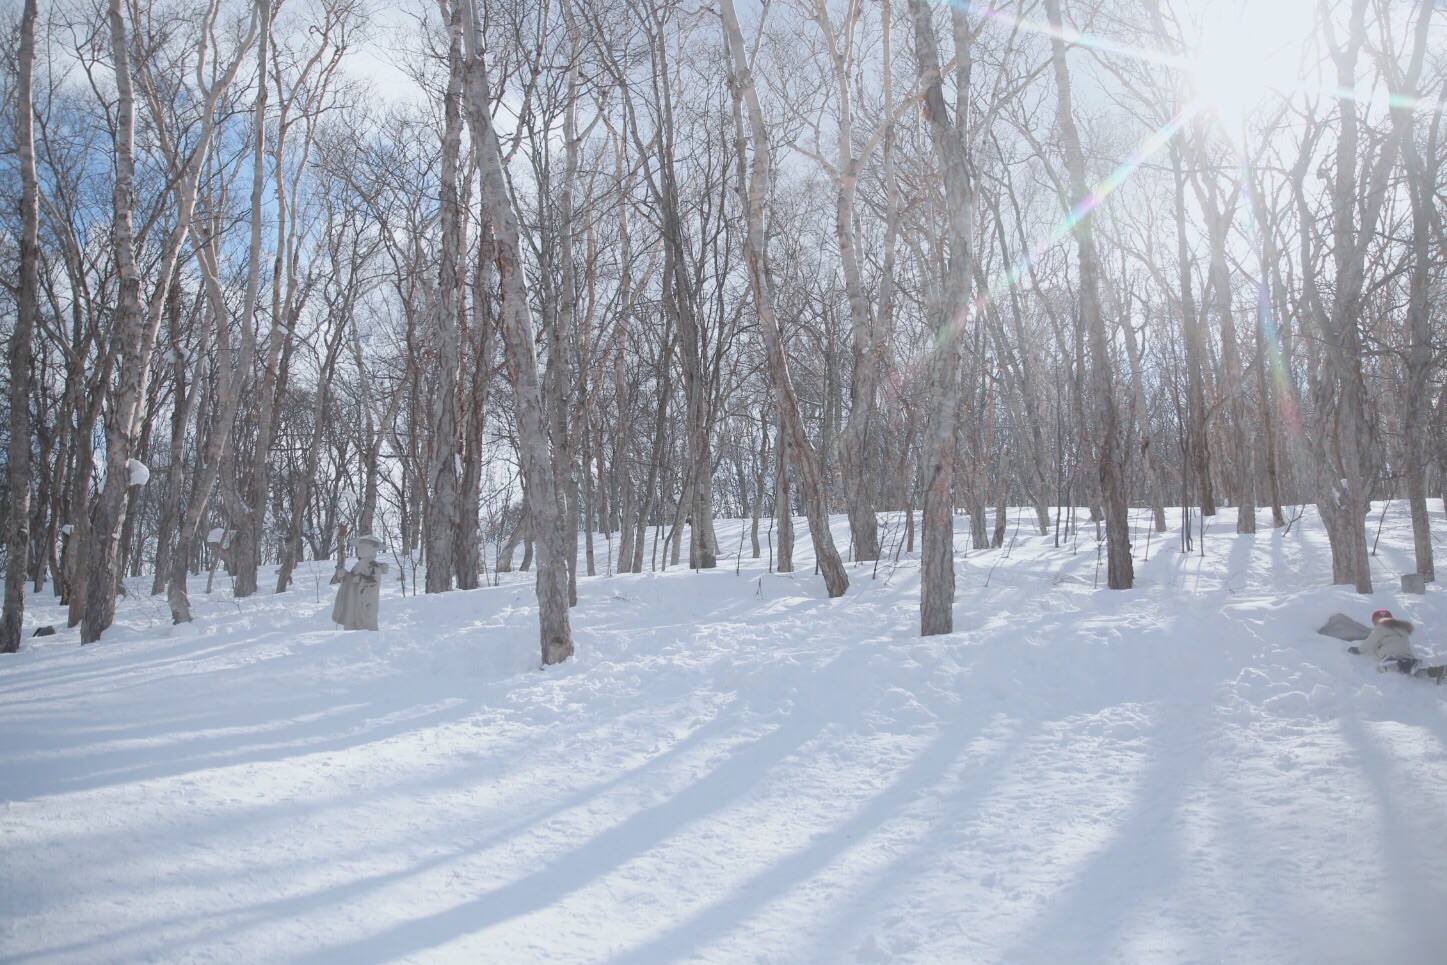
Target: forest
[(552, 285)]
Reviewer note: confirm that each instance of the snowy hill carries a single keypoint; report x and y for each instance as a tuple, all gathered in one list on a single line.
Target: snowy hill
[(737, 769)]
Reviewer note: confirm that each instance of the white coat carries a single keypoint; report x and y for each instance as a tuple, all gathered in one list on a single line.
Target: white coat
[(1389, 638)]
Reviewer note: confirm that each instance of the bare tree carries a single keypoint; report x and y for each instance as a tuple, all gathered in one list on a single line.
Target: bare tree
[(1358, 195), (952, 314), (444, 508), (17, 522), (1424, 166), (1112, 455), (517, 330), (135, 326), (806, 459)]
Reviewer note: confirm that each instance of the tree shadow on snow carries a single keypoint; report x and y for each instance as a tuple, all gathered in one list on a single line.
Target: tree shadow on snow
[(1082, 922), (165, 742), (162, 931), (913, 783), (634, 836), (1415, 897)]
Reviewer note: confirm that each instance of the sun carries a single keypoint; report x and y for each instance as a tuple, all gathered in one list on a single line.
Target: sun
[(1247, 52)]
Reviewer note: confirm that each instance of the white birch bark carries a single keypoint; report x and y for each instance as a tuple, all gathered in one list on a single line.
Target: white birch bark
[(937, 555), (135, 326), (17, 523), (806, 459), (1120, 568), (442, 518), (517, 330)]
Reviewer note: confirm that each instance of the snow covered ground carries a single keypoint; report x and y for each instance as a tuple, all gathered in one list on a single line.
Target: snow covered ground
[(737, 769)]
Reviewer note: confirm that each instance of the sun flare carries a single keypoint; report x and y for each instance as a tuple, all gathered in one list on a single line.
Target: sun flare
[(1248, 51)]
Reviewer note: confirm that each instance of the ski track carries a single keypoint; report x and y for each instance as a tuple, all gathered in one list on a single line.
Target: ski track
[(736, 769)]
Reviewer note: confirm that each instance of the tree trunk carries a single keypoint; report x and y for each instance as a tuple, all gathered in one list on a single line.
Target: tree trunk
[(301, 493), (755, 254), (468, 545), (1112, 455), (758, 501), (1199, 449), (442, 470), (229, 377), (858, 491), (1218, 222), (937, 562), (650, 496), (186, 397), (517, 329), (1149, 451), (783, 499), (1343, 477), (133, 328), (17, 528), (1019, 363), (1422, 179)]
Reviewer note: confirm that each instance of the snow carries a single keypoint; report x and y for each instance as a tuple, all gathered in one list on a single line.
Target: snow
[(138, 473), (737, 769)]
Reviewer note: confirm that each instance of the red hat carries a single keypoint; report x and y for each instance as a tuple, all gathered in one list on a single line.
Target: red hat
[(1381, 615)]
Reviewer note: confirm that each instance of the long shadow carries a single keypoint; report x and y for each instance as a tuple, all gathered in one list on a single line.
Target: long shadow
[(967, 798), (613, 847), (267, 714), (158, 656), (1290, 875), (604, 852), (1237, 578), (1141, 858), (355, 725), (282, 745), (300, 906), (279, 730), (1246, 838), (1415, 895), (716, 920)]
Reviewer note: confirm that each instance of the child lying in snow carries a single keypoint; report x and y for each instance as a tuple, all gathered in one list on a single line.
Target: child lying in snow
[(1390, 642)]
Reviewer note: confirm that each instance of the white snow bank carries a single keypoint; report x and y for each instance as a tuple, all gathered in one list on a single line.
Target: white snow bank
[(735, 768)]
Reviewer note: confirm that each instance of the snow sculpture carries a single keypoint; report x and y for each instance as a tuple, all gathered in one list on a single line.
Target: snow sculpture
[(356, 606)]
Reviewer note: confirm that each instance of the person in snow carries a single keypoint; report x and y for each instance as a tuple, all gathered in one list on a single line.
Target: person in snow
[(1390, 643), (357, 596)]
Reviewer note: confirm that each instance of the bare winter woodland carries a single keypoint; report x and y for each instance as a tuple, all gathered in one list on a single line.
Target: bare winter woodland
[(594, 274)]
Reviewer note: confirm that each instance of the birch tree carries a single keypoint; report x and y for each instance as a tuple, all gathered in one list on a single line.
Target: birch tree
[(952, 314), (1111, 452), (806, 458), (515, 319), (27, 296), (135, 326)]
